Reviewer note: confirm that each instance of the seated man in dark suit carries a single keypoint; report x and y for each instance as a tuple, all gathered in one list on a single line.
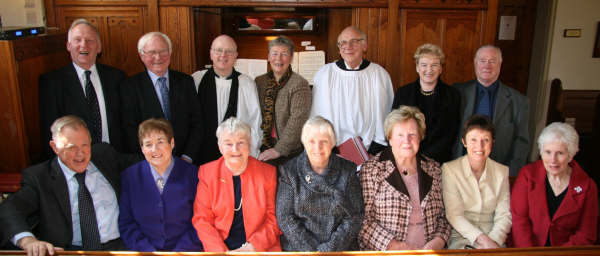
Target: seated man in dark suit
[(160, 92), (69, 201), (84, 88)]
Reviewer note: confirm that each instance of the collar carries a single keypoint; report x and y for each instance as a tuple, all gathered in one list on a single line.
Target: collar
[(341, 63), (228, 77), (329, 176), (165, 175), (493, 88), (81, 72), (91, 168), (467, 172), (155, 77)]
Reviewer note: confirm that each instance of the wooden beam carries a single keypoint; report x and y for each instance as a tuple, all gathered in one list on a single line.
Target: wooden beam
[(153, 15)]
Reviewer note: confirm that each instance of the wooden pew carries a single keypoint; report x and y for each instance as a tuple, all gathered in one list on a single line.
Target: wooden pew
[(546, 251)]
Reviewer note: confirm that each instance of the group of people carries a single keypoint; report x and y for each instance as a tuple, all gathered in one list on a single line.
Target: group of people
[(125, 174)]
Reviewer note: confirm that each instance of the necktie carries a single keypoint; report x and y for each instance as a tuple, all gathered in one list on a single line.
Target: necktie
[(160, 183), (484, 103), (95, 123), (164, 91), (90, 236)]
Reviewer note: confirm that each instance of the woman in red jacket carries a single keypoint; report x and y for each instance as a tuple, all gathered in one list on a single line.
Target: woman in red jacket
[(234, 208), (553, 201)]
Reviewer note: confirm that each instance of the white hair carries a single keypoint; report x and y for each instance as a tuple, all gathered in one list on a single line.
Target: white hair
[(233, 126), (78, 22), (560, 132), (145, 38), (68, 121), (489, 46), (320, 123)]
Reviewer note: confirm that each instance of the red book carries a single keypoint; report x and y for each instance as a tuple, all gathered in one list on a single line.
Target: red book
[(354, 150)]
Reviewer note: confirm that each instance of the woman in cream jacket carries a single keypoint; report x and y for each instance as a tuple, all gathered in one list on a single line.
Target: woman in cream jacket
[(476, 191)]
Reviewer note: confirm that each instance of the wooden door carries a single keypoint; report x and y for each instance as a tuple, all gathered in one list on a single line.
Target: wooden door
[(457, 32), (119, 27)]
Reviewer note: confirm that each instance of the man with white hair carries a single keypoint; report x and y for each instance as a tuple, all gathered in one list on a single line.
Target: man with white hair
[(508, 109), (84, 88), (224, 92), (160, 92), (354, 94)]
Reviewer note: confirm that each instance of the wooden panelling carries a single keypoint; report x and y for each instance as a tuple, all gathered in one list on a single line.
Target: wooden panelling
[(263, 3), (339, 18), (207, 24), (516, 54), (581, 105), (457, 32), (374, 22), (178, 24), (23, 61), (119, 27)]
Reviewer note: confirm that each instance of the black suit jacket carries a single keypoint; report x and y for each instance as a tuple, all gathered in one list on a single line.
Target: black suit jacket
[(61, 94), (42, 205), (443, 126), (140, 102)]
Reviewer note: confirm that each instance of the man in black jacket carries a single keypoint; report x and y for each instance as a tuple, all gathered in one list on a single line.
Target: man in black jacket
[(84, 88)]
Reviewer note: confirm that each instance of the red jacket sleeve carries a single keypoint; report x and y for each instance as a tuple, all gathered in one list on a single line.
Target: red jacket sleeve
[(522, 228), (204, 218)]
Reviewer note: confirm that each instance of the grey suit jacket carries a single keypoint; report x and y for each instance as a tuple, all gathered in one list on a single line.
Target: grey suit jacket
[(511, 120)]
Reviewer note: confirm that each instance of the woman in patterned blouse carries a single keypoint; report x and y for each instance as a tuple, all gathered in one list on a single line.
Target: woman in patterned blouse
[(402, 190)]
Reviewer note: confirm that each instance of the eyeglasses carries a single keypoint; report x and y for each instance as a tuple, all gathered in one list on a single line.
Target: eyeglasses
[(277, 54), (221, 51), (488, 61), (350, 43), (161, 53)]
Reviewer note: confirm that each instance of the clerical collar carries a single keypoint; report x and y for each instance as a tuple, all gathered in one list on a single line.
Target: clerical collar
[(229, 77), (342, 65)]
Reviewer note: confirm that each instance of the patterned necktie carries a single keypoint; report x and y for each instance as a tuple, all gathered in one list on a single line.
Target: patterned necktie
[(164, 91), (160, 183), (95, 122), (484, 103), (90, 236)]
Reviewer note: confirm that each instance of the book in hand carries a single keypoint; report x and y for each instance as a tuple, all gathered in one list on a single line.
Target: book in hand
[(354, 150)]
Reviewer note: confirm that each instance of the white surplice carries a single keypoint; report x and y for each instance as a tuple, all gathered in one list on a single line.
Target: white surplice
[(356, 102), (248, 108)]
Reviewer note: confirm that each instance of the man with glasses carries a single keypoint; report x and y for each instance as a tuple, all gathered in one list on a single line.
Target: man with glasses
[(160, 92), (508, 109), (83, 88), (224, 92), (353, 93)]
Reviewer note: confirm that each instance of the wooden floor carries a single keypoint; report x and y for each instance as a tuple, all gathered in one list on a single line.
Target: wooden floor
[(546, 251)]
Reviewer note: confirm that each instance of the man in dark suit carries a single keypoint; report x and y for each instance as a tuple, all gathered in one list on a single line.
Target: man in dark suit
[(508, 109), (68, 202), (84, 88), (161, 92)]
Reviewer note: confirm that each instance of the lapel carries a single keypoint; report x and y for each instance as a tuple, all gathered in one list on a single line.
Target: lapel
[(61, 189), (391, 176), (502, 102), (539, 191), (573, 200), (149, 95), (74, 88), (173, 94), (470, 98), (425, 181)]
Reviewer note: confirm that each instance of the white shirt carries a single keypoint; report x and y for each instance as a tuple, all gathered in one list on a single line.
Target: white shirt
[(248, 107), (356, 102), (99, 94)]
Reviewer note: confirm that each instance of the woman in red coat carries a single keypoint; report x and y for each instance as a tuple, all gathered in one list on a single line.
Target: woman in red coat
[(234, 208), (553, 201)]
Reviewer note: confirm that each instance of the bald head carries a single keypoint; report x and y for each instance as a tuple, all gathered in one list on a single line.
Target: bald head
[(352, 43), (223, 53)]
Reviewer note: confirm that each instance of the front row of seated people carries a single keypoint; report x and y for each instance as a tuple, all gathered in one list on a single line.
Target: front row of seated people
[(410, 202)]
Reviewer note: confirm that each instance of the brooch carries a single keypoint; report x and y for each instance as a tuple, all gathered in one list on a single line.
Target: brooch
[(307, 178), (578, 189)]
